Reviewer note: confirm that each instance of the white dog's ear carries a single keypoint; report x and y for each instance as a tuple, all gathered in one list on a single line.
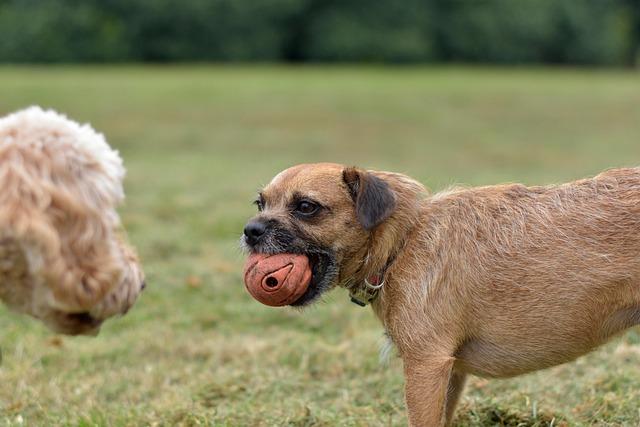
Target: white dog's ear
[(374, 200)]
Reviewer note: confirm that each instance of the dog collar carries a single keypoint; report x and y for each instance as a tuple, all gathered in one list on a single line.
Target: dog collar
[(366, 293)]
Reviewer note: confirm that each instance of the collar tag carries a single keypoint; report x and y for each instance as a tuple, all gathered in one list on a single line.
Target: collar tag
[(374, 284)]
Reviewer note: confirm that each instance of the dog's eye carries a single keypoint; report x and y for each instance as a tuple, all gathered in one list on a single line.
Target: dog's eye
[(306, 208), (259, 203)]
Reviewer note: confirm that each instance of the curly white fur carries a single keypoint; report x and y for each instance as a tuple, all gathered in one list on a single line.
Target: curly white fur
[(62, 256)]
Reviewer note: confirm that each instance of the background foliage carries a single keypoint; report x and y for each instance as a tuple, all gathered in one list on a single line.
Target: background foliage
[(602, 32)]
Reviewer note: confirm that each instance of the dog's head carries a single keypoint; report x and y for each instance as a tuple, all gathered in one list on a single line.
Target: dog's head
[(346, 220), (63, 254)]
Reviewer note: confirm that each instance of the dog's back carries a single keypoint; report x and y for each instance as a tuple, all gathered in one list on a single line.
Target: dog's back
[(560, 262)]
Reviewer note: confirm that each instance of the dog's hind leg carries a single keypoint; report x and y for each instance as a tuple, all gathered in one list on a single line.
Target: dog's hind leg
[(427, 390)]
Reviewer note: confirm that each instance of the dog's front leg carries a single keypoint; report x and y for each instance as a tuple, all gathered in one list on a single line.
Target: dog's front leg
[(456, 386), (427, 388)]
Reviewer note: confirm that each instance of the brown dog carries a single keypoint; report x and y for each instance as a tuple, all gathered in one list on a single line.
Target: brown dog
[(493, 281)]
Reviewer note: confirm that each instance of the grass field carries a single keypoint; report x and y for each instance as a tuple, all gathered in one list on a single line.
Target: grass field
[(199, 141)]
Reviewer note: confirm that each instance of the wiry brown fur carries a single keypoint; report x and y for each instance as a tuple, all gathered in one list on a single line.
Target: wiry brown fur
[(62, 256), (492, 281)]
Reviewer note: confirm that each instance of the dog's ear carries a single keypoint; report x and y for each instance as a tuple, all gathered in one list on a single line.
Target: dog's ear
[(373, 198)]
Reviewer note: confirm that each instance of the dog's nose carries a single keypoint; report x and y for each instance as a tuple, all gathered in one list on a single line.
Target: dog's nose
[(253, 231)]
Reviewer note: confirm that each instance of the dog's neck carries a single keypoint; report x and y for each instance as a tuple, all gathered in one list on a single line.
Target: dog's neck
[(386, 241)]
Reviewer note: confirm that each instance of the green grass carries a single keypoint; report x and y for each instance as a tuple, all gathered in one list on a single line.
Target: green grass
[(199, 141)]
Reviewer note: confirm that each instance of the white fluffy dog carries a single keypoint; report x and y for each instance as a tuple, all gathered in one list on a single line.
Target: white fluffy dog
[(63, 258)]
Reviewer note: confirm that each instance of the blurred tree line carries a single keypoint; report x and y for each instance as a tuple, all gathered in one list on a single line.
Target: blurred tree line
[(603, 32)]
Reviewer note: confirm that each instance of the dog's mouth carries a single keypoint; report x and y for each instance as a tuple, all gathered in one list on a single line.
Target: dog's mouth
[(82, 323), (323, 262), (323, 273), (83, 318)]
